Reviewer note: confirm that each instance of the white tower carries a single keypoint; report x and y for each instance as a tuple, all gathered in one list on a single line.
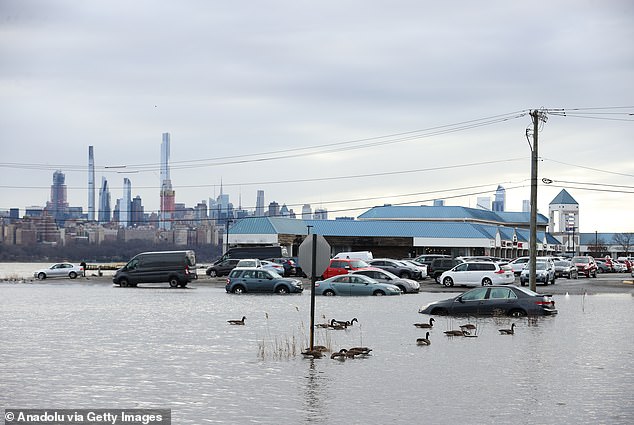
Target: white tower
[(563, 220)]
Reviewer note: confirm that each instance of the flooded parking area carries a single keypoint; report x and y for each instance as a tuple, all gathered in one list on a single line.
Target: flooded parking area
[(97, 346)]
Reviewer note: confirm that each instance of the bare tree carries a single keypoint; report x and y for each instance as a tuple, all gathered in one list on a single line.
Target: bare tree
[(625, 241), (598, 249)]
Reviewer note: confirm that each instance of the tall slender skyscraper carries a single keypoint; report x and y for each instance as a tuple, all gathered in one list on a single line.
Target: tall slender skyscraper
[(58, 205), (104, 202), (126, 204), (259, 204), (500, 199), (91, 184), (166, 215)]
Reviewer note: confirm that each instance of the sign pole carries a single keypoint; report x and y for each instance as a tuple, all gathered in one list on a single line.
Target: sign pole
[(313, 279)]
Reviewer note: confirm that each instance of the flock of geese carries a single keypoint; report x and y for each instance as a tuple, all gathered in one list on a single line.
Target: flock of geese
[(319, 351)]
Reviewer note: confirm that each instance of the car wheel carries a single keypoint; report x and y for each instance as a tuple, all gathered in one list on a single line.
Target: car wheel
[(72, 275), (124, 283), (447, 281), (41, 276), (213, 273), (329, 293), (281, 290), (437, 278), (378, 293), (174, 282), (402, 288), (599, 270), (238, 289), (405, 275), (554, 280), (576, 276), (517, 313), (486, 282), (594, 274)]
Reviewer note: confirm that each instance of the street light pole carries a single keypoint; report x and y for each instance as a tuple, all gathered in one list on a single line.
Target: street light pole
[(533, 230), (228, 222)]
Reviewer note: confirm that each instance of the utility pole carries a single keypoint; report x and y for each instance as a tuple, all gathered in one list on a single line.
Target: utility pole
[(536, 117)]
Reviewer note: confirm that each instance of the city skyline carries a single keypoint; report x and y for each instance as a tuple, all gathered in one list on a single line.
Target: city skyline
[(403, 104)]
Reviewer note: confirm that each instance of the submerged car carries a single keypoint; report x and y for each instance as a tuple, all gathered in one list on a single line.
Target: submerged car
[(354, 284), (380, 275), (60, 270), (258, 279), (544, 272), (507, 300)]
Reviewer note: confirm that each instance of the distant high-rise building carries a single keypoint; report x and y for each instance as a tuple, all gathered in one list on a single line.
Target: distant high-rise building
[(307, 212), (526, 205), (126, 204), (484, 202), (168, 197), (500, 200), (91, 184), (104, 202), (57, 207), (274, 209), (321, 214), (136, 212), (259, 204), (284, 212), (439, 202)]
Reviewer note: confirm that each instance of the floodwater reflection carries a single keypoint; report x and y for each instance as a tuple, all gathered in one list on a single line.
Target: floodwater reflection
[(78, 346)]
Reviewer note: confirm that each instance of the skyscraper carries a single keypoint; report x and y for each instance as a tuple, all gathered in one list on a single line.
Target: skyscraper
[(104, 202), (307, 212), (259, 204), (136, 212), (126, 204), (91, 184), (57, 207), (500, 200), (166, 215)]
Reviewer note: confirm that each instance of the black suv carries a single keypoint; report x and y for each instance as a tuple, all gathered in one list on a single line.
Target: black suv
[(222, 268), (441, 265)]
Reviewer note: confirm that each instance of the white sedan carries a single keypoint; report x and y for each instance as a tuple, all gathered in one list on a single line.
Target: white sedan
[(60, 270)]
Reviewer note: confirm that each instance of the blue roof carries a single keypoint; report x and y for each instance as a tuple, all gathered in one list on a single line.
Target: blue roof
[(563, 198), (424, 212), (593, 238)]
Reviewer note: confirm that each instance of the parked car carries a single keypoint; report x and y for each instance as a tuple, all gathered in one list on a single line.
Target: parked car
[(586, 265), (482, 258), (343, 266), (59, 270), (544, 272), (354, 255), (478, 273), (440, 265), (565, 268), (518, 264), (176, 267), (618, 266), (289, 265), (249, 262), (258, 279), (354, 284), (602, 266), (222, 267), (383, 276), (428, 258), (509, 300), (396, 267), (270, 265), (420, 266)]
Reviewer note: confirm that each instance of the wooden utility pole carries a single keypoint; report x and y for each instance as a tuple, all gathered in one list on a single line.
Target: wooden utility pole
[(535, 115)]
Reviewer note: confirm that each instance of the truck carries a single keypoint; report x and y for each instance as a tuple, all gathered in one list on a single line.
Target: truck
[(259, 252)]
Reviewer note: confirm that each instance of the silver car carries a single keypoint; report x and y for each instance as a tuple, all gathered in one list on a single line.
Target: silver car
[(60, 270), (383, 276)]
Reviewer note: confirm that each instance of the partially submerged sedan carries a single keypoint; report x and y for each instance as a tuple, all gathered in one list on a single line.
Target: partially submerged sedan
[(60, 270), (354, 284), (508, 300)]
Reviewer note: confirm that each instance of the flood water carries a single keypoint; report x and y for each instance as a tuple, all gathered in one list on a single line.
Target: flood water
[(92, 345)]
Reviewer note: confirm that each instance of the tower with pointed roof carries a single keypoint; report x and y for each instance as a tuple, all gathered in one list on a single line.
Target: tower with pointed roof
[(563, 219)]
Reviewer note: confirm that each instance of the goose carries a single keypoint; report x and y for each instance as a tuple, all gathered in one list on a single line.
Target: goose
[(469, 326), (364, 351), (456, 333), (321, 348), (315, 354), (425, 325), (322, 325), (510, 331), (424, 341), (350, 323), (340, 355), (237, 322)]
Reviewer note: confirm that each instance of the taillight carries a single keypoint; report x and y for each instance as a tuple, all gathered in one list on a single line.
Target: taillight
[(500, 271)]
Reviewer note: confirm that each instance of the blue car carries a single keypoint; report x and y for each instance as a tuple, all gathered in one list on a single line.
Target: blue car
[(258, 279), (354, 284)]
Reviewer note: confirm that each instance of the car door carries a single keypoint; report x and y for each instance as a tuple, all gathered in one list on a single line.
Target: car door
[(56, 270), (264, 281), (498, 301), (459, 274), (360, 286), (470, 302), (341, 284)]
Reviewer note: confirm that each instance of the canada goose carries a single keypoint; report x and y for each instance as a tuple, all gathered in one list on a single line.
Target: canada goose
[(423, 341), (323, 325), (362, 351), (315, 354), (350, 323), (510, 331), (340, 355), (456, 333), (321, 348), (237, 322), (425, 325), (469, 326)]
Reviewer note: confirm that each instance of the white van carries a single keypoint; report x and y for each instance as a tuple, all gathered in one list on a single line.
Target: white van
[(355, 255)]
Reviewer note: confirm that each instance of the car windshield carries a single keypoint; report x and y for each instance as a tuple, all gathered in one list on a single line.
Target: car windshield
[(580, 260), (357, 264), (562, 263)]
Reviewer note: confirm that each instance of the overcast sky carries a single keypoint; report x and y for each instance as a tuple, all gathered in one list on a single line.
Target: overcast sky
[(339, 104)]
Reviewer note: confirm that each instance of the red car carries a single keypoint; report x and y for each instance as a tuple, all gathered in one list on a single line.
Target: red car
[(586, 265), (339, 266)]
